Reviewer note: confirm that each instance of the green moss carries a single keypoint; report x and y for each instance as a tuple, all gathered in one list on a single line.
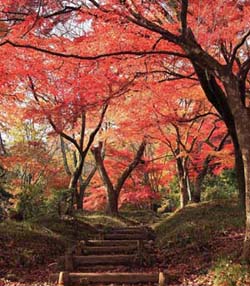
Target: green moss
[(146, 216), (103, 221), (197, 223), (227, 272)]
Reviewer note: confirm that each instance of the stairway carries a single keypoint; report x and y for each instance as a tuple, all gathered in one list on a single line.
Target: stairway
[(120, 256)]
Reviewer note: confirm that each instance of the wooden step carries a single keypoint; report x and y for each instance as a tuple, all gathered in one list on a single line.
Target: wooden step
[(121, 259), (102, 268), (121, 236), (76, 279), (128, 230), (112, 242), (70, 262), (89, 250)]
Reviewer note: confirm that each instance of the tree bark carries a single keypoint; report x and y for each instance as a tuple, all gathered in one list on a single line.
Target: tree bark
[(112, 198), (218, 99), (246, 248), (242, 122), (113, 192), (82, 188), (112, 205), (182, 173), (196, 197)]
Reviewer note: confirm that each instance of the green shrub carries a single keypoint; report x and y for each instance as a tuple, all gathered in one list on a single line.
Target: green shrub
[(5, 203), (223, 186), (173, 196), (31, 202), (58, 201)]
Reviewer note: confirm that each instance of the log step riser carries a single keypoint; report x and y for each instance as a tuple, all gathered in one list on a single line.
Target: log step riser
[(117, 236), (119, 251), (89, 250), (74, 279), (108, 242)]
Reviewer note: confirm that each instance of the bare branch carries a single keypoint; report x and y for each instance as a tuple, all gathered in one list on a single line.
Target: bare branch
[(65, 161), (237, 47), (224, 52), (83, 126), (131, 167), (184, 8), (96, 57), (198, 117), (65, 10), (95, 131)]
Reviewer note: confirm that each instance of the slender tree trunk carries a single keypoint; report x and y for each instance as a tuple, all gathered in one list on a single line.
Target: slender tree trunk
[(184, 196), (196, 197), (82, 188), (73, 186), (79, 198), (197, 191)]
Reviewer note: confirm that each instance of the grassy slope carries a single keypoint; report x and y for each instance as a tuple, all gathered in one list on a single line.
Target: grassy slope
[(199, 243), (196, 239), (27, 248)]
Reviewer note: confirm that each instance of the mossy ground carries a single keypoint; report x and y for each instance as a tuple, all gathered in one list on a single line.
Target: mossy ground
[(199, 245), (27, 248), (193, 242)]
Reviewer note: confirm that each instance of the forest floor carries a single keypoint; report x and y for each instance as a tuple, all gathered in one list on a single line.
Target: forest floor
[(199, 245)]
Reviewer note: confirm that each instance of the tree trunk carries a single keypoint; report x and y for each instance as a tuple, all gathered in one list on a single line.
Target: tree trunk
[(83, 186), (242, 122), (112, 205), (246, 249), (73, 186), (239, 167), (184, 196), (239, 164), (113, 192), (196, 197), (217, 97), (79, 199), (243, 127)]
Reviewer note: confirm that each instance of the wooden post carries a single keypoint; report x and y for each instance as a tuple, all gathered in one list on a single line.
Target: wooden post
[(161, 279), (101, 235), (79, 248), (69, 262), (63, 279), (82, 245)]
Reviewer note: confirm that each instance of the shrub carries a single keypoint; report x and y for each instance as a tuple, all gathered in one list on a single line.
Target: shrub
[(223, 186), (31, 202), (58, 202)]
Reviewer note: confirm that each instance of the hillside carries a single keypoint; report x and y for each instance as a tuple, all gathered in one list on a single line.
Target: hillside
[(201, 244)]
